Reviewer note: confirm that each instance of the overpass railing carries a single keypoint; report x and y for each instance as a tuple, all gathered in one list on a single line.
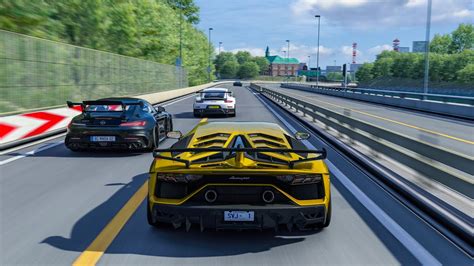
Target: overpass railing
[(458, 106)]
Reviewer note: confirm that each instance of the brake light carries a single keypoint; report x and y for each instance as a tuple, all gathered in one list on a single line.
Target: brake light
[(178, 178), (228, 101), (133, 124), (300, 179)]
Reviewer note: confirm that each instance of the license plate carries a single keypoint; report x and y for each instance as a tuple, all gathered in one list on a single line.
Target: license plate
[(103, 138), (214, 107), (238, 216)]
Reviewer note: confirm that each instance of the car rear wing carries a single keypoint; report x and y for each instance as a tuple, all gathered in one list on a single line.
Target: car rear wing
[(84, 104), (322, 154)]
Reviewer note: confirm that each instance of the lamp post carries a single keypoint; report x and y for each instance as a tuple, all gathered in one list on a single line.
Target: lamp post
[(284, 55), (209, 63), (288, 62), (180, 59), (220, 44), (317, 56), (427, 51), (309, 62)]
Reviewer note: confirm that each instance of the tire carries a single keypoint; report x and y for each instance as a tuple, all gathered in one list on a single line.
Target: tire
[(149, 216), (234, 114), (154, 141), (328, 215)]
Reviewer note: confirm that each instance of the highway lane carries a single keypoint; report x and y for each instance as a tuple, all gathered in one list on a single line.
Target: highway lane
[(452, 134), (55, 203)]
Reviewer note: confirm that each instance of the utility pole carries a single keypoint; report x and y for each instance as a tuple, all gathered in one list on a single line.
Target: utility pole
[(209, 55), (427, 51), (288, 62), (317, 56)]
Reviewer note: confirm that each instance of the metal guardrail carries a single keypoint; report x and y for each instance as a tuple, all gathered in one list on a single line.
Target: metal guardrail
[(435, 162), (453, 225), (457, 106), (37, 73)]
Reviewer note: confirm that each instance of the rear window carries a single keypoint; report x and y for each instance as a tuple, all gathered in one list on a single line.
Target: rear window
[(106, 108), (213, 95)]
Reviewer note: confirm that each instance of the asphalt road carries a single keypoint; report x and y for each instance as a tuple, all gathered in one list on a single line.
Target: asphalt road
[(54, 203), (450, 133)]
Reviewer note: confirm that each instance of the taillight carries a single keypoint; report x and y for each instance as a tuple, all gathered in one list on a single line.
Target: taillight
[(179, 178), (300, 179), (133, 124), (228, 101)]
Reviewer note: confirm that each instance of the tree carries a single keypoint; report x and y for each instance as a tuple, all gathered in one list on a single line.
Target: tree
[(463, 38), (364, 73), (383, 67), (248, 70), (229, 69), (441, 44), (466, 74), (187, 8), (243, 57), (222, 58), (262, 63)]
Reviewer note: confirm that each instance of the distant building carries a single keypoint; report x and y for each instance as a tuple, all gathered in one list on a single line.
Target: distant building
[(280, 66), (419, 47), (354, 67), (330, 69), (404, 49)]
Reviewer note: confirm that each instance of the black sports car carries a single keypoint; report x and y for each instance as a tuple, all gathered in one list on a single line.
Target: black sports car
[(237, 83), (123, 123)]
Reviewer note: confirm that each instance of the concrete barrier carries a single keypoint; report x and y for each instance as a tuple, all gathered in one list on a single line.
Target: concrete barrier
[(25, 127)]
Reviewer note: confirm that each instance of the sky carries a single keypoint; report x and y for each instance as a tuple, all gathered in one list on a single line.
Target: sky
[(252, 25)]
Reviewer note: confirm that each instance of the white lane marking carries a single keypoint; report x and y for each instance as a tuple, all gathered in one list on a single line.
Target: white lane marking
[(32, 143), (61, 142), (33, 152), (179, 100), (418, 251)]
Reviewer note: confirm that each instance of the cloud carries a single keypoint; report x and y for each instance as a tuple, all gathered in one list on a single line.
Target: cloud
[(379, 48), (251, 50), (378, 14)]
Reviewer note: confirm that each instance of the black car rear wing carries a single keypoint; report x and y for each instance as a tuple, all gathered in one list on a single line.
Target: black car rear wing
[(322, 153), (84, 104)]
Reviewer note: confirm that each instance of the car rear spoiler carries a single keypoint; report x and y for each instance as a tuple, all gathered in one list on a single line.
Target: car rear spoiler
[(102, 102), (322, 153)]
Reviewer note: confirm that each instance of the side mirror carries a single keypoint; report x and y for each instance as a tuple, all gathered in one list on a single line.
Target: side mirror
[(160, 109), (302, 135), (174, 134)]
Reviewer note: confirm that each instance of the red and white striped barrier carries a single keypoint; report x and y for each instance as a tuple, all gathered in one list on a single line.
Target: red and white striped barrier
[(27, 125)]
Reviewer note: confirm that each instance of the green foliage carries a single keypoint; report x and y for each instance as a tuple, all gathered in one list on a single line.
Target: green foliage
[(364, 74), (441, 44), (262, 63), (248, 70), (450, 60), (243, 57), (466, 74), (187, 8), (335, 76), (147, 29), (463, 38), (229, 69), (223, 57)]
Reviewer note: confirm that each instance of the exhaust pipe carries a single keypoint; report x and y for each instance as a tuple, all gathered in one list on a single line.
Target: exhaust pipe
[(210, 195), (268, 196)]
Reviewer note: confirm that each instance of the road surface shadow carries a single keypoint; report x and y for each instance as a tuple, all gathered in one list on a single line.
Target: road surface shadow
[(63, 152), (137, 237), (190, 115)]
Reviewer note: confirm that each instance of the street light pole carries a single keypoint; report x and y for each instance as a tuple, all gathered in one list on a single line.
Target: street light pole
[(309, 62), (288, 62), (427, 51), (220, 44), (317, 56), (209, 63), (180, 60)]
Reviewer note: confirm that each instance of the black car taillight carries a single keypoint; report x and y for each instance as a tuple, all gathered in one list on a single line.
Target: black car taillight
[(178, 178), (300, 179)]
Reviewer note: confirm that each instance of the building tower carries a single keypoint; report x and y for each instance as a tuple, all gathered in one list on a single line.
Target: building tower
[(354, 52), (396, 44), (267, 52)]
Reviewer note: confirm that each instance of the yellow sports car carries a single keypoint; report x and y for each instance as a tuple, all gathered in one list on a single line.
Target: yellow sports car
[(242, 175)]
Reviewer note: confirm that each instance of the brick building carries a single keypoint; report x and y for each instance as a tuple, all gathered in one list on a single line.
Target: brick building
[(280, 66)]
